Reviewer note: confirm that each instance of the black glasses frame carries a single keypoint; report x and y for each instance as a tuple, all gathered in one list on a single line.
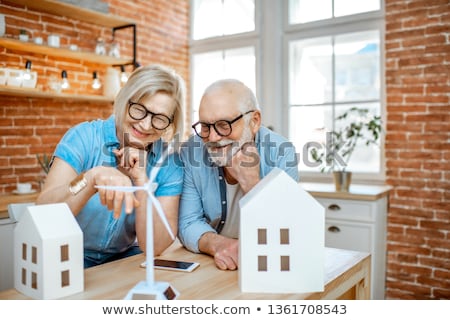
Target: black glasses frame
[(161, 116), (214, 125)]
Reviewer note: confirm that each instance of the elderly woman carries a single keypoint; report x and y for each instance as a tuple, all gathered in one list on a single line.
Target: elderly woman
[(121, 151)]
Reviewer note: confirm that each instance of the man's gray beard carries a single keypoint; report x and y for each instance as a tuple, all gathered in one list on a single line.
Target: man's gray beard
[(222, 157)]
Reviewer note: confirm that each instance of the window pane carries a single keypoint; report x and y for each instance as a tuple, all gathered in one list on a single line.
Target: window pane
[(309, 124), (348, 7), (310, 71), (301, 11), (357, 74), (212, 18), (211, 66), (364, 158), (239, 16)]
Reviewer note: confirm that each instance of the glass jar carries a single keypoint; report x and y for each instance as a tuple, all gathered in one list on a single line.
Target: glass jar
[(100, 48), (114, 50)]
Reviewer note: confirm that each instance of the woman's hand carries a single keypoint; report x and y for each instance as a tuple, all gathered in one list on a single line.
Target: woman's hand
[(113, 199), (133, 162)]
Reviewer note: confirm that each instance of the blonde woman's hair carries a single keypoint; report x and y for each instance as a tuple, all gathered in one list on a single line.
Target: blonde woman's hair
[(148, 81)]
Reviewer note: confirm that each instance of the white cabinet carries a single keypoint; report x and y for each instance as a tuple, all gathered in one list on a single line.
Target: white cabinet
[(357, 221)]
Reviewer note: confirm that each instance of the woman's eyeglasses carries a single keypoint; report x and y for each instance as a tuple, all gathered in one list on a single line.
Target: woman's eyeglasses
[(138, 112)]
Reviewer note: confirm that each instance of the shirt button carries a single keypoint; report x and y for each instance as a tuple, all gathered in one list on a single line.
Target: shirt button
[(223, 202), (220, 177)]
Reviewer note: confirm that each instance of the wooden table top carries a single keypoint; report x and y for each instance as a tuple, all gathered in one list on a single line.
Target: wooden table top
[(343, 270)]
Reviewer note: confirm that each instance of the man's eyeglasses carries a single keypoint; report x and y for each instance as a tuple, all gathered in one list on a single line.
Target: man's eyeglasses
[(138, 112), (222, 127)]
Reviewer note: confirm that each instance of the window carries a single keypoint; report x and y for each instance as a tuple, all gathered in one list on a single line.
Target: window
[(262, 236), (306, 60), (262, 263), (24, 276), (64, 252), (24, 251), (284, 263), (213, 65), (34, 280), (65, 278), (34, 255), (284, 236), (223, 45), (334, 64), (303, 11), (212, 18)]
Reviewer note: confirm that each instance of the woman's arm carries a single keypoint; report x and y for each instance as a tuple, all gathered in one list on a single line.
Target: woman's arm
[(56, 187), (61, 174)]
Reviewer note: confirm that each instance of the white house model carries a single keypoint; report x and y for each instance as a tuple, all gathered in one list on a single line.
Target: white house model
[(281, 240), (48, 252)]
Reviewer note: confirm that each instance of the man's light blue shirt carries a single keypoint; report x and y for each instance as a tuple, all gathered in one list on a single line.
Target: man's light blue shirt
[(89, 145), (201, 202)]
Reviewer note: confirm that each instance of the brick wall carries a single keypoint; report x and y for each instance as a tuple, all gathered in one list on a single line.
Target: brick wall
[(417, 148), (34, 126)]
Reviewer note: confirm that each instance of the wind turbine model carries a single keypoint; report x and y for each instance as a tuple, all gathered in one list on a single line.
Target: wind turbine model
[(150, 289)]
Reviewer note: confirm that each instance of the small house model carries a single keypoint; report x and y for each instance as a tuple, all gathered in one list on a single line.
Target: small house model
[(281, 240), (48, 252)]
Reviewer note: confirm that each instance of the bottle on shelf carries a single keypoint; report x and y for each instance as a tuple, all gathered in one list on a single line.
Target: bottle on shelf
[(100, 48)]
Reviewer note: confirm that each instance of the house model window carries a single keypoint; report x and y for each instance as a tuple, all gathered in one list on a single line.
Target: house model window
[(262, 240), (65, 252)]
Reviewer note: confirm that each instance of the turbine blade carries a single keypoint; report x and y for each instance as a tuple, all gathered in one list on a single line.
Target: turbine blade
[(161, 214)]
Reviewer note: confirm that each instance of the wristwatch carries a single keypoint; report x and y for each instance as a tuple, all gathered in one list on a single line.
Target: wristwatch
[(78, 184)]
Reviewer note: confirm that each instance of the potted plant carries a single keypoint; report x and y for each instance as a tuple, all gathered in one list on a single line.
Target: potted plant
[(359, 128), (23, 35)]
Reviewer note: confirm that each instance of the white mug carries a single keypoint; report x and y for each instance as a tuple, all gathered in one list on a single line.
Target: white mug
[(24, 187), (38, 40)]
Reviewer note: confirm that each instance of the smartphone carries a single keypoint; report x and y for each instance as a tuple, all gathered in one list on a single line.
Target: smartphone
[(173, 265)]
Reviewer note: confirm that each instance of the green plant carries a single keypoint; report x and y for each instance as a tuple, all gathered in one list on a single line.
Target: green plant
[(360, 127), (44, 162)]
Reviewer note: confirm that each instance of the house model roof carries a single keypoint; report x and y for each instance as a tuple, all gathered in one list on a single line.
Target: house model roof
[(49, 222)]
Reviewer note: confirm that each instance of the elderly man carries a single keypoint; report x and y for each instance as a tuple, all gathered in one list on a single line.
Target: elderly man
[(227, 157)]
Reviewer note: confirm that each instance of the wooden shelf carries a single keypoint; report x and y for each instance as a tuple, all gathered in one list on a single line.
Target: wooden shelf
[(14, 44), (35, 93), (75, 12)]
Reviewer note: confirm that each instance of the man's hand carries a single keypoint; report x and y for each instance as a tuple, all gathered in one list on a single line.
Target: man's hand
[(223, 249), (245, 166)]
